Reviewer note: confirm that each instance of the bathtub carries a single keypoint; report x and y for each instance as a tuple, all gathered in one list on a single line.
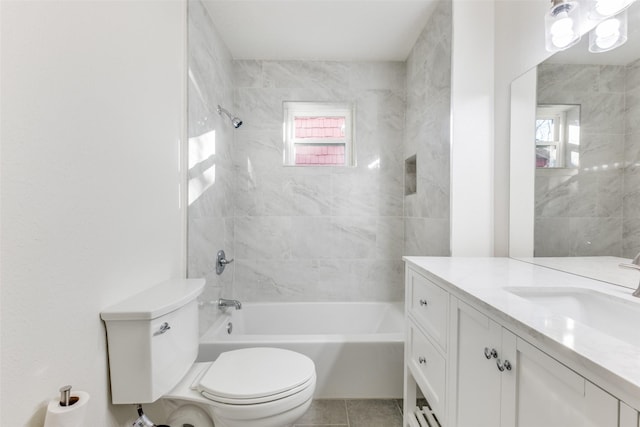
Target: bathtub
[(357, 347)]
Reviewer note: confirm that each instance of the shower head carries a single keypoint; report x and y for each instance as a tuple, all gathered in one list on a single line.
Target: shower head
[(235, 121)]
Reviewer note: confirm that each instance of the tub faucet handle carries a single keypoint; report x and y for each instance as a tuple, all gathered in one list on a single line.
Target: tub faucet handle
[(222, 261)]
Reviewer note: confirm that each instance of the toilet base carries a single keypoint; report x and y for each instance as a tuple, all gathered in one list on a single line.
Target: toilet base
[(285, 419), (189, 415)]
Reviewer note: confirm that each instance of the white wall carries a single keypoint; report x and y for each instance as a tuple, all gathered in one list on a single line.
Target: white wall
[(472, 98), (93, 102)]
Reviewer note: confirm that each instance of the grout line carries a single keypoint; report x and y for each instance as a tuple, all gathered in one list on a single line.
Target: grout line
[(346, 412)]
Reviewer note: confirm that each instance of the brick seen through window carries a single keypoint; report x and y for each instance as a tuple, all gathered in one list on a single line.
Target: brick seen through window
[(320, 154), (320, 127)]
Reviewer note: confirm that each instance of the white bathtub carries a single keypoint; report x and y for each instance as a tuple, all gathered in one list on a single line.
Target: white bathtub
[(357, 347)]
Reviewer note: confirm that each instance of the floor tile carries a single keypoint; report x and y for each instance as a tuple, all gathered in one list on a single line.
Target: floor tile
[(373, 413), (325, 412)]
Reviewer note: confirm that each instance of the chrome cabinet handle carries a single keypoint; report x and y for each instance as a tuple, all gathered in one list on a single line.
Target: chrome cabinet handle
[(163, 328), (502, 366), (422, 360), (423, 302), (490, 353)]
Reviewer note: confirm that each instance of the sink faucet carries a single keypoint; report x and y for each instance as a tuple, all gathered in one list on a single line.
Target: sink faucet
[(635, 265), (224, 303)]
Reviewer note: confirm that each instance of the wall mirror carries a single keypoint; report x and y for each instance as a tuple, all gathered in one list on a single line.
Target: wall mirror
[(575, 160)]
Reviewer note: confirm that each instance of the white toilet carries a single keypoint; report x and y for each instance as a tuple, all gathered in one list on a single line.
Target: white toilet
[(153, 343)]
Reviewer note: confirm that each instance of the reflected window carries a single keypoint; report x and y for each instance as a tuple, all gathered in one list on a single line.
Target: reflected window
[(558, 136), (318, 134)]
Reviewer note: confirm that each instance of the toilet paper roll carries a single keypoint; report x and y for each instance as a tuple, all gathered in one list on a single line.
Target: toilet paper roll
[(67, 416)]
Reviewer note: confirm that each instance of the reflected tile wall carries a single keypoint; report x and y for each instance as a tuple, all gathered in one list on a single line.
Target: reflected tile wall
[(211, 169), (631, 202), (590, 211), (319, 233), (427, 135)]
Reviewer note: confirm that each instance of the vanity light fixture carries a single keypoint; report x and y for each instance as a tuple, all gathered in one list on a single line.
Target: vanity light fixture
[(562, 25), (609, 34)]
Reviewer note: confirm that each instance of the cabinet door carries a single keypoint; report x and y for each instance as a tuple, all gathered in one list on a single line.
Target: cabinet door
[(540, 391), (628, 416), (477, 382)]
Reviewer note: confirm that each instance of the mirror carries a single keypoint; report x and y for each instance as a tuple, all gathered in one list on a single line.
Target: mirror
[(575, 160)]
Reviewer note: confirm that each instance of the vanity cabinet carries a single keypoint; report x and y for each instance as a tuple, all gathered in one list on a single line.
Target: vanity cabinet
[(477, 379), (426, 343), (502, 380), (474, 372)]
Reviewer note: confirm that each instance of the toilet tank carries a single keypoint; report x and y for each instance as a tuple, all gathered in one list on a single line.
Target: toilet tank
[(152, 340)]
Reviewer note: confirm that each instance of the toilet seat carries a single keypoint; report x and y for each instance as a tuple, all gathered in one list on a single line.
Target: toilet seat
[(256, 375)]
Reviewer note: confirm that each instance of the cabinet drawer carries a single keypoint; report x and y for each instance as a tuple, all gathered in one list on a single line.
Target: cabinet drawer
[(429, 305), (429, 369)]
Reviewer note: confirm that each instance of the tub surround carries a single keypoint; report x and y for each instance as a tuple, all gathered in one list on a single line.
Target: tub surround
[(608, 362), (316, 233), (211, 173)]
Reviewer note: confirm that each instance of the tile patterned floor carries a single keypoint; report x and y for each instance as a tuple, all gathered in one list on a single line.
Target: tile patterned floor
[(352, 413)]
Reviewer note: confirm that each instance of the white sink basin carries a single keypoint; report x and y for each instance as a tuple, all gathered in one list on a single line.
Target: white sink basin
[(611, 315)]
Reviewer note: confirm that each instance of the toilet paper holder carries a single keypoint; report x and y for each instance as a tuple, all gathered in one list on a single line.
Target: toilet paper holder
[(65, 396), (67, 410)]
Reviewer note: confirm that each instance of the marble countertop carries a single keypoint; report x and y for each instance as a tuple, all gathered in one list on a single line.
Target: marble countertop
[(605, 360)]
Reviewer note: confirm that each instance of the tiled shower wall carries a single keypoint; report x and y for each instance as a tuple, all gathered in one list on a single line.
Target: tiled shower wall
[(593, 210), (427, 136), (211, 171), (315, 233), (319, 233)]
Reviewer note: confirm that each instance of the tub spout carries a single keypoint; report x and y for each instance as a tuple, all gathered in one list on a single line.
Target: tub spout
[(224, 303)]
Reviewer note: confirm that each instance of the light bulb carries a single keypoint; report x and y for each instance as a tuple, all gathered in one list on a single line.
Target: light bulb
[(608, 27), (560, 25), (609, 7), (562, 31), (607, 33)]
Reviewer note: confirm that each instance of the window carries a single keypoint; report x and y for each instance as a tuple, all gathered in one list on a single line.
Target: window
[(557, 136), (318, 134)]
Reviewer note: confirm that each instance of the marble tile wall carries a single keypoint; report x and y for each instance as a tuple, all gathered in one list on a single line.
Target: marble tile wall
[(631, 198), (580, 212), (315, 233), (319, 233), (211, 171), (427, 135)]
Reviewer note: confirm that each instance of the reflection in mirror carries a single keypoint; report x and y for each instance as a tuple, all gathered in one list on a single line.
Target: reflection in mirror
[(587, 190), (557, 136), (591, 210)]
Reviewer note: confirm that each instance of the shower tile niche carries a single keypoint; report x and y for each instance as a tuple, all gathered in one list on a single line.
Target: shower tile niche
[(410, 177)]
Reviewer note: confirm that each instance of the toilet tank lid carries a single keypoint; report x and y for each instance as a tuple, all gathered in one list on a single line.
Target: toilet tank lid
[(156, 301)]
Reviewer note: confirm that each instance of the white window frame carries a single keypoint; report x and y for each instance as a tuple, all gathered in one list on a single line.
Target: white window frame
[(559, 120), (558, 113), (293, 109)]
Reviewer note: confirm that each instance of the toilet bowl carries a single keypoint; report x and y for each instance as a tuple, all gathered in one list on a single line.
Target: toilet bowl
[(153, 344), (261, 387)]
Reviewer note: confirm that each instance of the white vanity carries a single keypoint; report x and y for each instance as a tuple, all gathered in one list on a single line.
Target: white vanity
[(497, 342)]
